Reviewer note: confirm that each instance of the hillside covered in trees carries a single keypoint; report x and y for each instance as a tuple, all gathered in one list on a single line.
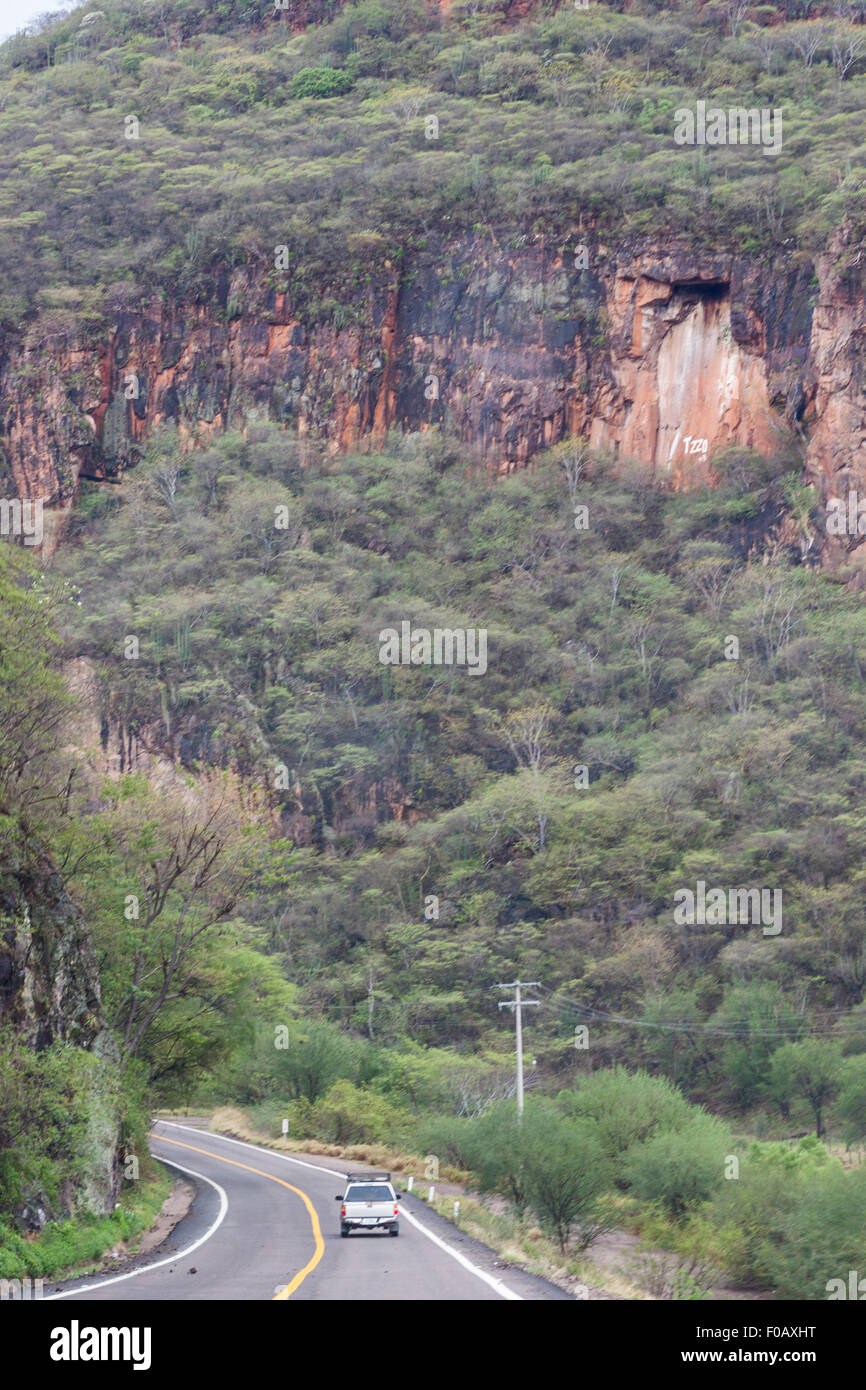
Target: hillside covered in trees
[(245, 859)]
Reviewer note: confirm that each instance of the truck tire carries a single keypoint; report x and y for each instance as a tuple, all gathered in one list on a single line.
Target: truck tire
[(394, 1230), (344, 1230)]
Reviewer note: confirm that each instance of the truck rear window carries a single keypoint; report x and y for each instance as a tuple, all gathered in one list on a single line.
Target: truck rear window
[(377, 1192)]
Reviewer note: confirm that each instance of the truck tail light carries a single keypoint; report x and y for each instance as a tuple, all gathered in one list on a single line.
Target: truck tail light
[(395, 1208), (343, 1210)]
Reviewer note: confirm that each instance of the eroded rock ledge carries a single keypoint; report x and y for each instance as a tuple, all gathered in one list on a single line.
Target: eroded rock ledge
[(511, 345)]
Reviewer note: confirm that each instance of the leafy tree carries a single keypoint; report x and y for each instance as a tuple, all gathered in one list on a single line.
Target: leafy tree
[(35, 700), (755, 1016), (164, 879), (318, 1055), (498, 1152), (811, 1069), (851, 1107), (346, 1114), (567, 1174)]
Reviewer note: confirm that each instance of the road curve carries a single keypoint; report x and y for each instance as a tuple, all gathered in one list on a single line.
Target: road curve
[(266, 1226)]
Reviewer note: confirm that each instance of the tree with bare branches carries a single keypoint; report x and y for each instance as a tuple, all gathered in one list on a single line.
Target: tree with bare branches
[(186, 860)]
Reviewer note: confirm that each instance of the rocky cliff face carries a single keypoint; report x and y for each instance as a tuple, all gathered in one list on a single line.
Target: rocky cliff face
[(50, 993), (49, 980), (657, 353)]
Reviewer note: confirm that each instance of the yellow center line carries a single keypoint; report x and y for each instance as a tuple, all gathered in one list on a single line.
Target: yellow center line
[(317, 1230)]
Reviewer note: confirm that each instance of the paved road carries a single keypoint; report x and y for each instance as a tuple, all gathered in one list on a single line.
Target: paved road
[(266, 1227)]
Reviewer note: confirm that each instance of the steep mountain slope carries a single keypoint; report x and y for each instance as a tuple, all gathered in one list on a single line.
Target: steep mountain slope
[(356, 218), (284, 292)]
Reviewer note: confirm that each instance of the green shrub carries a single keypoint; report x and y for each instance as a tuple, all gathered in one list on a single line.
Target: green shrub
[(350, 1115), (59, 1111), (750, 1211), (545, 1161), (451, 1138), (321, 82), (628, 1108), (819, 1236), (811, 1069), (680, 1168)]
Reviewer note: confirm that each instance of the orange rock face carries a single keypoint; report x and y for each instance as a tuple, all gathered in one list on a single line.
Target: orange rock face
[(837, 351), (686, 387), (655, 353)]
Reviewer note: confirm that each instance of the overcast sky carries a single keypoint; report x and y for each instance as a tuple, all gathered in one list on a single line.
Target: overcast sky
[(14, 14)]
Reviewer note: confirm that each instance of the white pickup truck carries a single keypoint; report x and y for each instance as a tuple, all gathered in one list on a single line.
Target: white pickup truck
[(369, 1204)]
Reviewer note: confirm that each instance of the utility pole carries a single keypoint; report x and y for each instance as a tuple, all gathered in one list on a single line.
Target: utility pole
[(370, 997), (518, 1004)]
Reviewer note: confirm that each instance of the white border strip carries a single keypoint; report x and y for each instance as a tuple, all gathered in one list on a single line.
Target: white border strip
[(495, 1284), (172, 1259)]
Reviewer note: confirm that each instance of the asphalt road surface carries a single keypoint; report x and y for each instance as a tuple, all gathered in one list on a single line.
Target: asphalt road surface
[(264, 1226)]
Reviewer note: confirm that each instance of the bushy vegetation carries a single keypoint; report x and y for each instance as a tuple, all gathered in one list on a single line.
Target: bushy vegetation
[(791, 1218), (250, 136), (309, 870), (442, 841), (323, 986), (98, 1005), (47, 1102)]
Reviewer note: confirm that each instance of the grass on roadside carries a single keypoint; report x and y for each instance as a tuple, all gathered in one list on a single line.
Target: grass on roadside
[(229, 1120), (74, 1246)]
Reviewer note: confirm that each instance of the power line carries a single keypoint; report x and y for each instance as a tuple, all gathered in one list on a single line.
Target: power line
[(735, 1028)]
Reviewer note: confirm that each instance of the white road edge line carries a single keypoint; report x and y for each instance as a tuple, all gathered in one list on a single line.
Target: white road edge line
[(496, 1284), (172, 1259), (502, 1289)]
